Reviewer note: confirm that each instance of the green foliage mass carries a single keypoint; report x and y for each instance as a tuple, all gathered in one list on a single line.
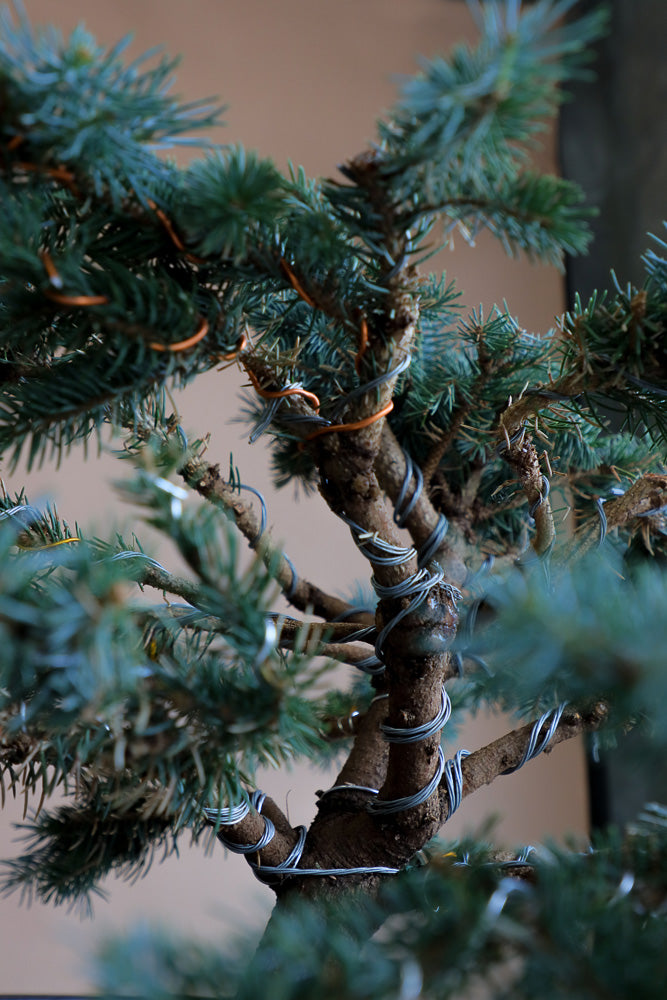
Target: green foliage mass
[(171, 713), (458, 924)]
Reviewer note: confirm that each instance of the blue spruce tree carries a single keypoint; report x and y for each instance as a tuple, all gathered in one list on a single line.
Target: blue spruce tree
[(122, 277)]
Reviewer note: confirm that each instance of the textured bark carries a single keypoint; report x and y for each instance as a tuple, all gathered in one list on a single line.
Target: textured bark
[(207, 480), (485, 765), (390, 467)]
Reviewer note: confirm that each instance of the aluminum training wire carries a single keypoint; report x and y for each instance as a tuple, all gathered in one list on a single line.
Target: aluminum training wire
[(533, 748), (451, 769), (416, 588)]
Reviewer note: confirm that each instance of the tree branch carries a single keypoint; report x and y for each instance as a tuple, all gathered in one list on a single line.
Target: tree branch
[(209, 483), (251, 828), (648, 493), (390, 467), (486, 764), (521, 455)]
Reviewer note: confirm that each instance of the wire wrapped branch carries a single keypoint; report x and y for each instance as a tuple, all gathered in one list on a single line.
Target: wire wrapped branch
[(422, 520), (415, 608), (352, 655), (207, 480), (241, 829), (310, 639), (366, 764), (507, 753), (535, 399), (150, 573), (316, 633), (646, 496)]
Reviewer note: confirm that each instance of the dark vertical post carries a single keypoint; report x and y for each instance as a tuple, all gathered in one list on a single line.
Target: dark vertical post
[(613, 141)]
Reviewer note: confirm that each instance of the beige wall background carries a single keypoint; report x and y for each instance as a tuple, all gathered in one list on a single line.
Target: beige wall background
[(304, 81)]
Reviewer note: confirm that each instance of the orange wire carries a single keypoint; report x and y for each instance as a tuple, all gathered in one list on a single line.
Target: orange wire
[(183, 345), (282, 393), (171, 232), (356, 426), (363, 343), (50, 268), (294, 282), (15, 141), (66, 300), (76, 300), (58, 173), (237, 350), (100, 300), (166, 222)]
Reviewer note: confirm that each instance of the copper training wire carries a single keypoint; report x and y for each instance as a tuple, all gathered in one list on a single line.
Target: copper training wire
[(363, 343), (182, 345), (100, 300), (57, 173), (171, 232), (166, 222), (356, 426), (59, 297), (51, 269), (233, 355), (294, 282), (60, 173), (283, 393), (76, 300)]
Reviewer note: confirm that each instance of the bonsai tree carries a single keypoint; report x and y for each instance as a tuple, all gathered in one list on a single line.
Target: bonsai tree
[(450, 443)]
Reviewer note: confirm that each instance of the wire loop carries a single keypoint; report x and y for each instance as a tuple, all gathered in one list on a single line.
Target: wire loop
[(347, 788), (402, 507), (182, 345), (24, 513), (229, 816), (415, 734), (289, 866), (385, 553), (356, 425), (433, 542), (534, 748), (417, 587), (385, 807), (454, 780), (544, 493), (374, 383), (257, 799), (603, 520), (292, 389), (129, 554)]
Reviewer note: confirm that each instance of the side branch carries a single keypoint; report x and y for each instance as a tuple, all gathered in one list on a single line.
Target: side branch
[(367, 761), (209, 483), (646, 497), (237, 837), (506, 753), (310, 638), (521, 455)]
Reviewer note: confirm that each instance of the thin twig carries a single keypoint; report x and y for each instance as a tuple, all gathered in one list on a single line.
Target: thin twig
[(206, 479)]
